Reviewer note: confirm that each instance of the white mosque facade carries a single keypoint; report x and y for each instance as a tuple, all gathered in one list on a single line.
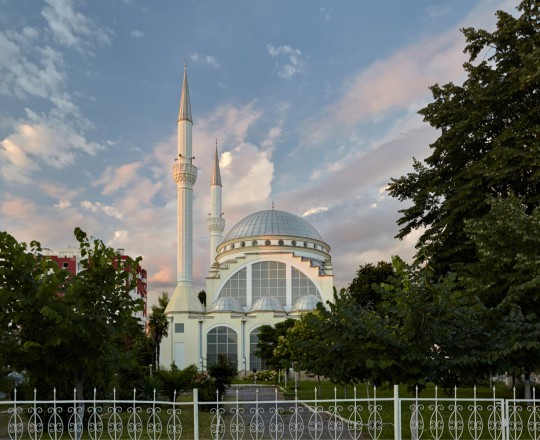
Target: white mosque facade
[(270, 266)]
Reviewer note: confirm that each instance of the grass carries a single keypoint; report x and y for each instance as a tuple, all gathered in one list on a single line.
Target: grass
[(326, 392)]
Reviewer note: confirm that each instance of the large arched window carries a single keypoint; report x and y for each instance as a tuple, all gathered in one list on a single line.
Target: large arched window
[(255, 362), (301, 285), (235, 287), (269, 278), (222, 346)]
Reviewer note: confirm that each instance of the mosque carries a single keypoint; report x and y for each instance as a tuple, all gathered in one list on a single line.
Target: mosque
[(272, 265)]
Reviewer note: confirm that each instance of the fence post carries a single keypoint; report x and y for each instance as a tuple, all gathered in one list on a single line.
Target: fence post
[(397, 414), (195, 414)]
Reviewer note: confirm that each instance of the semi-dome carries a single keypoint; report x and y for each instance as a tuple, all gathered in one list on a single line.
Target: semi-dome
[(226, 304), (267, 304), (273, 222), (306, 303)]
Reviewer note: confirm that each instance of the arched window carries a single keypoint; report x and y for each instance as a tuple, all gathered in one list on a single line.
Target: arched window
[(255, 362), (221, 346), (269, 278), (235, 287), (301, 285)]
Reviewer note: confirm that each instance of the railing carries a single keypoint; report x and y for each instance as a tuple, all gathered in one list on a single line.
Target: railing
[(252, 412)]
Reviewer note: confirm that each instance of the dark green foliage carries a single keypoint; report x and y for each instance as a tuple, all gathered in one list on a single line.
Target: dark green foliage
[(158, 326), (362, 287), (223, 373), (175, 381), (67, 331), (506, 277), (269, 337), (424, 329), (489, 143)]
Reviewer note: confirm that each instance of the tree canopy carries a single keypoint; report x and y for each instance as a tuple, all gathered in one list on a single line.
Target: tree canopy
[(488, 144), (369, 275), (64, 329)]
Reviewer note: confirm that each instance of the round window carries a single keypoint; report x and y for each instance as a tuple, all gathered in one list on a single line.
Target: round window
[(280, 242), (243, 243), (293, 243), (254, 243), (267, 243), (305, 243)]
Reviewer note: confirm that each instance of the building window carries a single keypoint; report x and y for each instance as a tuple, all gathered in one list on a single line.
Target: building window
[(65, 265), (269, 278), (255, 362), (254, 243), (179, 328), (236, 287), (243, 243), (222, 346), (293, 243), (267, 242), (280, 242), (301, 285)]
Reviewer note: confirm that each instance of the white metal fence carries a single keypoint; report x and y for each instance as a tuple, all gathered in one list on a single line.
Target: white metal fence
[(259, 413)]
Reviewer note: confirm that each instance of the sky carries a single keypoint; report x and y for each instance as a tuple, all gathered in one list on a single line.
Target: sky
[(313, 104)]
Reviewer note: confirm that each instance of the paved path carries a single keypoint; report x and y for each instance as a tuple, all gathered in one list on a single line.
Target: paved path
[(295, 423)]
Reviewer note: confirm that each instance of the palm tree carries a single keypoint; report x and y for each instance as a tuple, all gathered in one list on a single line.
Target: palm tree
[(158, 324)]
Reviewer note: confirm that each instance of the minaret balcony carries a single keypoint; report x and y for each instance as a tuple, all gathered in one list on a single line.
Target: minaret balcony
[(184, 172), (216, 224)]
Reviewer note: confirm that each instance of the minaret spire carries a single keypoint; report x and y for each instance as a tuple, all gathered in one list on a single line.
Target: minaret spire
[(184, 299), (216, 222), (184, 114)]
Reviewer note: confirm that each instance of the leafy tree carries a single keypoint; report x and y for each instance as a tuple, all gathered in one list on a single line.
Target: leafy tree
[(488, 146), (361, 288), (424, 328), (88, 317), (507, 278), (269, 337), (223, 373), (158, 325), (331, 342)]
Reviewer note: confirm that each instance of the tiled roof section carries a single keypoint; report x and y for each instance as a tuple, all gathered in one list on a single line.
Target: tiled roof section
[(273, 222)]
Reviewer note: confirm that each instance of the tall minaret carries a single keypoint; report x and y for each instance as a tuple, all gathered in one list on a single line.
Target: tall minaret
[(184, 298), (216, 222)]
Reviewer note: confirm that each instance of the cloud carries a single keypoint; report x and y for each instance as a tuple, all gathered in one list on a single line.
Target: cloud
[(27, 70), (315, 210), (111, 211), (68, 25), (400, 81), (294, 61), (206, 59), (137, 33), (115, 179), (46, 139)]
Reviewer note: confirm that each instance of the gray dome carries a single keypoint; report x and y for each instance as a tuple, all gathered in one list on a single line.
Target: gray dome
[(267, 304), (273, 222), (226, 304), (306, 303)]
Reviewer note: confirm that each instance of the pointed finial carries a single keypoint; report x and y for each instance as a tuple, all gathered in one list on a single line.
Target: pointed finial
[(216, 174), (185, 63), (272, 204)]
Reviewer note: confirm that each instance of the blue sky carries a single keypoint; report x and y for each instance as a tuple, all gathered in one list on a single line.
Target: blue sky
[(314, 105)]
